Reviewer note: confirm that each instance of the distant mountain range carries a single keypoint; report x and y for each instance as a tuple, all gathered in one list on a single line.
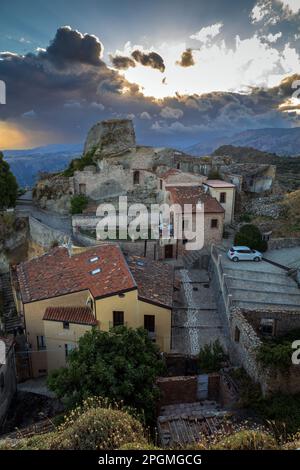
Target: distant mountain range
[(283, 142), (27, 164)]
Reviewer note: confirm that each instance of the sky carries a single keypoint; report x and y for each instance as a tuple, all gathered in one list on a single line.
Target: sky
[(182, 70)]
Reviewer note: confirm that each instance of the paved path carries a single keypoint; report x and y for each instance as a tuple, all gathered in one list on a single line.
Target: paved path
[(52, 219), (196, 323)]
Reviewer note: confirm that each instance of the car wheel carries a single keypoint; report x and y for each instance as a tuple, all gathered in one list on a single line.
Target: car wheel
[(235, 259), (256, 258)]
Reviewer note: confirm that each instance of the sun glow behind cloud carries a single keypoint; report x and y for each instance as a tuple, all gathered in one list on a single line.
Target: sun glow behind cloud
[(13, 136), (253, 61)]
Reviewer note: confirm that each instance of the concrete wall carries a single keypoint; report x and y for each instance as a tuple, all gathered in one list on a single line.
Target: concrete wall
[(44, 235)]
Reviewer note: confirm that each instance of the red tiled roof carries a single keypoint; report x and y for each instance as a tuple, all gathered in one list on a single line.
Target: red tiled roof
[(80, 315), (56, 273), (192, 195), (155, 280)]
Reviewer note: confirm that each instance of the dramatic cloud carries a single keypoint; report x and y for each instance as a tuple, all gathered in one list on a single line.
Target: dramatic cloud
[(151, 59), (187, 59), (122, 62), (62, 94), (208, 33), (70, 45)]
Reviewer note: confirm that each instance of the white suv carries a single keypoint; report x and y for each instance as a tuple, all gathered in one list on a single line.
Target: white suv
[(243, 253)]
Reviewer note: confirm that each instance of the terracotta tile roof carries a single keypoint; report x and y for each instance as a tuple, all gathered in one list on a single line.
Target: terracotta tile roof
[(192, 195), (219, 184), (80, 315), (155, 280), (56, 273)]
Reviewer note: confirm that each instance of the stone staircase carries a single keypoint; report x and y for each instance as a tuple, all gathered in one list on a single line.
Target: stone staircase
[(11, 319), (262, 288)]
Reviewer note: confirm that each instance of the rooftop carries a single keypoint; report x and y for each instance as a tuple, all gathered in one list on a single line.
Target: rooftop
[(155, 280), (193, 195), (219, 184), (102, 270), (79, 315)]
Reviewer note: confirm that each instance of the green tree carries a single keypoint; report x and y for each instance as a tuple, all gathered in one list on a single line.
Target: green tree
[(78, 203), (250, 235), (121, 365), (211, 356), (8, 185)]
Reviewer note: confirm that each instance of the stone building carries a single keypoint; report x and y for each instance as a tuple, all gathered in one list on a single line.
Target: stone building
[(249, 177)]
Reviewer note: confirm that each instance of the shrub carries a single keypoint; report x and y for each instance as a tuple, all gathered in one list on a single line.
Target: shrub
[(250, 235), (98, 429), (94, 425), (211, 357), (78, 164), (245, 218), (247, 440), (78, 204)]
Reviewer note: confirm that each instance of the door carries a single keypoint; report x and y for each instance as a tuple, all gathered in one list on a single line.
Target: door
[(169, 251), (202, 387)]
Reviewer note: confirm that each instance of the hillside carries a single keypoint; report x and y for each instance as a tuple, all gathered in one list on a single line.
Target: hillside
[(283, 142), (26, 164)]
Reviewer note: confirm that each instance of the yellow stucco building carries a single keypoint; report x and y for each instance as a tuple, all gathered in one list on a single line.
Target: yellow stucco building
[(61, 296), (224, 193)]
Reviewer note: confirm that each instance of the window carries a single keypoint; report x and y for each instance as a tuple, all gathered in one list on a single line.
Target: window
[(237, 335), (267, 326), (95, 271), (66, 325), (41, 343), (94, 259), (161, 184), (136, 177), (149, 323), (178, 166), (214, 223), (68, 349), (118, 318), (222, 198), (82, 188)]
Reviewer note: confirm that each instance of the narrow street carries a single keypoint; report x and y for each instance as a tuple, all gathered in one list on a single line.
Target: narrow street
[(197, 322)]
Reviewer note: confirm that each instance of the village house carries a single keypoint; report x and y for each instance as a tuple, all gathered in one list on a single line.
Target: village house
[(224, 192), (187, 198), (61, 296)]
